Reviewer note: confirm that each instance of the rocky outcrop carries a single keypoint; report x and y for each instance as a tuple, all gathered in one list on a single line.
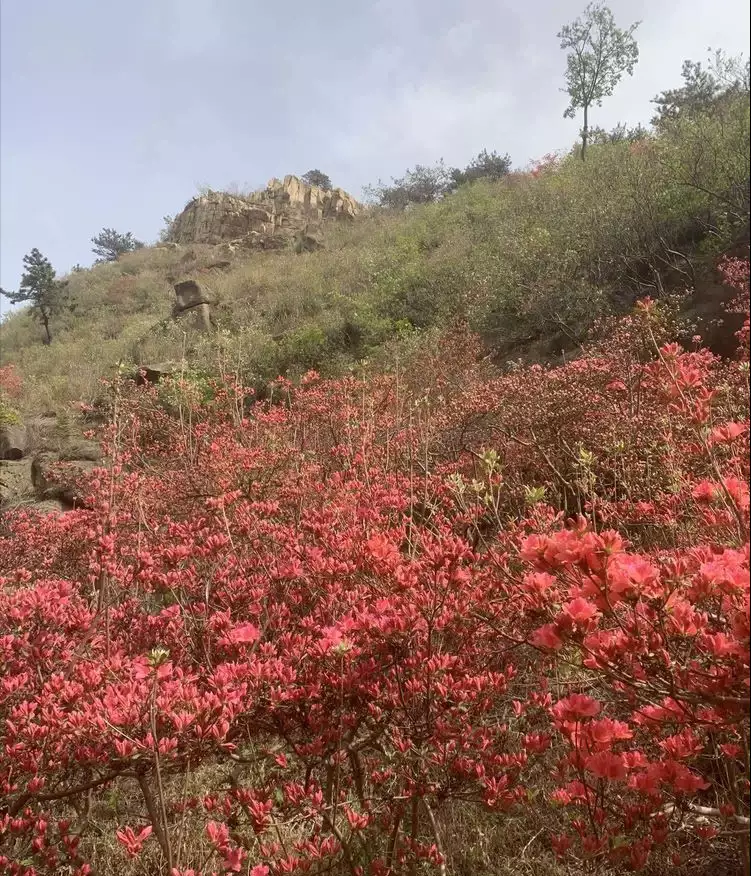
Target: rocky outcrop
[(285, 210), (39, 474), (217, 217)]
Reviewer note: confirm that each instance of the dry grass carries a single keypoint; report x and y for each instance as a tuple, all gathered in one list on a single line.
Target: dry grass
[(121, 312), (475, 841)]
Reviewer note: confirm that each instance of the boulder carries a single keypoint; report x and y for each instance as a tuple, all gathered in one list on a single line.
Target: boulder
[(192, 306), (189, 294), (40, 465), (15, 481), (196, 318), (50, 480), (54, 478), (308, 239), (89, 451), (154, 373), (46, 506), (13, 441)]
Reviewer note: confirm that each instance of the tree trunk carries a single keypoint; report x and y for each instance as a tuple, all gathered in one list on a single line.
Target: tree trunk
[(585, 131), (46, 324), (160, 828)]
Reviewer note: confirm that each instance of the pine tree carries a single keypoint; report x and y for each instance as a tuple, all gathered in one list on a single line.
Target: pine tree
[(317, 178), (39, 288), (109, 245)]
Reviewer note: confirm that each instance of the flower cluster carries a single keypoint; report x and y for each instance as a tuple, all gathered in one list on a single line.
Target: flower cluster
[(307, 627)]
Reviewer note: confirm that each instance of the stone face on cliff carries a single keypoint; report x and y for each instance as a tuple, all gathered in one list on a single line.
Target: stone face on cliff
[(189, 293), (266, 219)]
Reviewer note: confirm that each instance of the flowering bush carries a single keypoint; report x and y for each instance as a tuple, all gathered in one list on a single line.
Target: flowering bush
[(735, 273), (293, 634), (10, 389), (10, 381)]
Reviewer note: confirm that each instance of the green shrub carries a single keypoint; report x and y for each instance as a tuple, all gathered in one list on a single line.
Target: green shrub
[(9, 416)]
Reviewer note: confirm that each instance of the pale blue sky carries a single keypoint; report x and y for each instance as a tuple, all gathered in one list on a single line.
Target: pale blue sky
[(112, 114)]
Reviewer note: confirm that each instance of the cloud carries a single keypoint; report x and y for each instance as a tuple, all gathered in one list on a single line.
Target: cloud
[(186, 29), (425, 122), (446, 98), (457, 79)]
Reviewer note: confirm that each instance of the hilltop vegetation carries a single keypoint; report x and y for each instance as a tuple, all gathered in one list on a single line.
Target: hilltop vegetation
[(530, 261)]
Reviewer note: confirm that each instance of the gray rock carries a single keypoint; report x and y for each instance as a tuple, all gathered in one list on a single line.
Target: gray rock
[(13, 441), (40, 506), (88, 451), (54, 478), (47, 506), (15, 481), (39, 467), (189, 294), (196, 318), (309, 239)]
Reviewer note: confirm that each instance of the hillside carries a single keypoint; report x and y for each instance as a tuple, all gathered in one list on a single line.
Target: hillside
[(529, 262)]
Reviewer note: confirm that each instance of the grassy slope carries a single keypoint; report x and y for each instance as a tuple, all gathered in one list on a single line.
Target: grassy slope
[(529, 262)]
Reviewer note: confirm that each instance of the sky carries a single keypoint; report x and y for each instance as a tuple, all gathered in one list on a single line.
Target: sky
[(114, 114)]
